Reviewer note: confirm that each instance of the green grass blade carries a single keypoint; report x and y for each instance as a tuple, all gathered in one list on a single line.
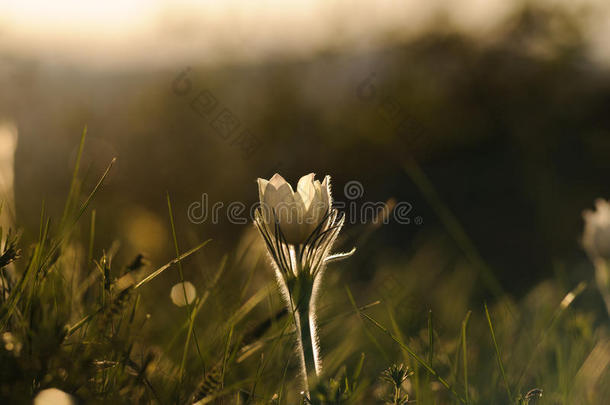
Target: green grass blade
[(166, 266), (565, 303), (250, 348), (430, 338), (190, 318), (200, 302), (83, 321), (81, 211), (249, 305), (283, 382), (498, 354), (414, 355), (72, 191), (371, 337), (225, 355), (465, 355), (91, 237), (453, 225)]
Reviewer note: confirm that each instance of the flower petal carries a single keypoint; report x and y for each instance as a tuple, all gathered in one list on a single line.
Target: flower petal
[(262, 185), (295, 224), (326, 194), (278, 192), (306, 189), (596, 234), (277, 181), (339, 256)]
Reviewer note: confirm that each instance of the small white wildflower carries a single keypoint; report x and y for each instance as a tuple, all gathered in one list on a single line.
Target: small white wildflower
[(53, 396), (298, 213), (178, 294), (596, 236), (300, 229), (596, 241)]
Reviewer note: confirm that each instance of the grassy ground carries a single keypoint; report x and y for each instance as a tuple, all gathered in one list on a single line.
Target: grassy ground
[(75, 319)]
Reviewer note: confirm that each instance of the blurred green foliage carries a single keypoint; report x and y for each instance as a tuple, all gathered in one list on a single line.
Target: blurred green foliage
[(512, 137)]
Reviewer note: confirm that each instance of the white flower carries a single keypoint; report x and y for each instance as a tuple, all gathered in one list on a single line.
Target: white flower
[(596, 241), (299, 229), (596, 236), (53, 396), (296, 213), (180, 290)]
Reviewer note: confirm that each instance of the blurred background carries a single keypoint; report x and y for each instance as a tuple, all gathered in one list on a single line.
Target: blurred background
[(491, 118), (504, 105)]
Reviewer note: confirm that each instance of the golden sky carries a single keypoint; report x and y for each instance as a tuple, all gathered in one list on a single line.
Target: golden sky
[(168, 32)]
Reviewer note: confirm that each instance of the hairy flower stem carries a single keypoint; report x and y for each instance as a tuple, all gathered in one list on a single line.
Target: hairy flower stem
[(307, 335), (305, 323)]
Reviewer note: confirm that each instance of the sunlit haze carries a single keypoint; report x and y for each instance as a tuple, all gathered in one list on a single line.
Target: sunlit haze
[(162, 32)]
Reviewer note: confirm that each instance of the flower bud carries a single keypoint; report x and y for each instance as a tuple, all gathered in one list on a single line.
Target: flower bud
[(596, 235), (297, 213)]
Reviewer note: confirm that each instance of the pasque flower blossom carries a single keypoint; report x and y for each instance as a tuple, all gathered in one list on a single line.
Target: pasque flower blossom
[(596, 241), (300, 228), (299, 212), (596, 236)]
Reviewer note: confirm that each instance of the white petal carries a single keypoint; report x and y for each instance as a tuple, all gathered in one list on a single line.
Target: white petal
[(277, 181), (316, 210), (293, 223), (596, 235), (326, 194), (298, 213), (306, 189), (276, 197), (339, 256), (602, 211), (262, 185), (279, 201)]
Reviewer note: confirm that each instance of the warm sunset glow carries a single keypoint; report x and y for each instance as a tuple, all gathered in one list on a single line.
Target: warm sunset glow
[(118, 33)]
